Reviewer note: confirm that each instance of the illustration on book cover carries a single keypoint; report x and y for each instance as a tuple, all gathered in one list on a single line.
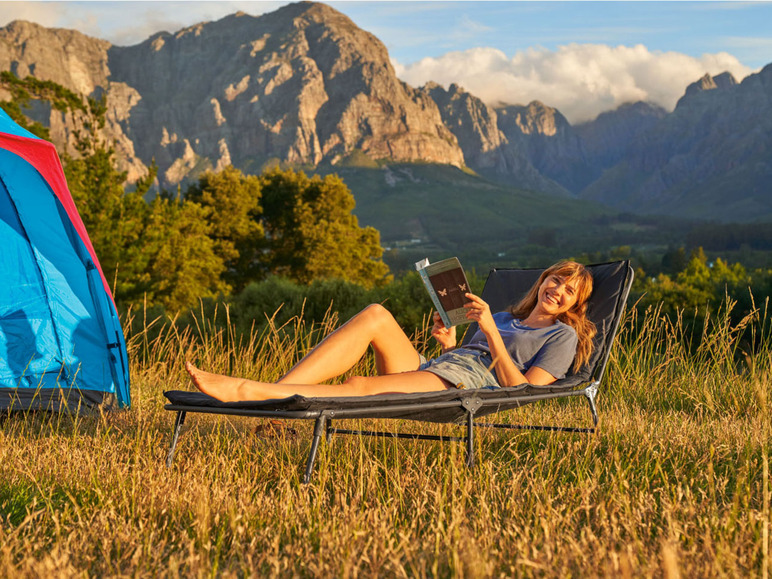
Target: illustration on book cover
[(446, 283)]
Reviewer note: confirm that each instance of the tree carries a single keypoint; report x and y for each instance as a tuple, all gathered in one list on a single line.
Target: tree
[(697, 286), (179, 257), (312, 234), (674, 260), (114, 219), (161, 252), (231, 203)]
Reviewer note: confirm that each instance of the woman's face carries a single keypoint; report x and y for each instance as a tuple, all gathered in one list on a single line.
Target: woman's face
[(556, 295)]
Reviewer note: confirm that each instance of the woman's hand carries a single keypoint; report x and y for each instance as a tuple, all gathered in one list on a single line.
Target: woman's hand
[(479, 311), (446, 337)]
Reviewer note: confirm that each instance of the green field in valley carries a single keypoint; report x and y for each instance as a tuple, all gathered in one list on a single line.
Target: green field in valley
[(439, 210)]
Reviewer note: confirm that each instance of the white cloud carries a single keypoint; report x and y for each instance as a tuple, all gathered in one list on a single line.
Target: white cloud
[(127, 23), (48, 14), (580, 80), (471, 28), (152, 17)]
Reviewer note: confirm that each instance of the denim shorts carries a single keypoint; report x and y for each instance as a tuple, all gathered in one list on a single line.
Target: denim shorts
[(463, 368)]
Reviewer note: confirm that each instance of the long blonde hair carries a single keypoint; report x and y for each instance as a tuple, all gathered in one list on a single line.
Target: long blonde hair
[(576, 317)]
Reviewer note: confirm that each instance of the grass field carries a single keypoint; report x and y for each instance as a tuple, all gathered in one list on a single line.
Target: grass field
[(675, 483)]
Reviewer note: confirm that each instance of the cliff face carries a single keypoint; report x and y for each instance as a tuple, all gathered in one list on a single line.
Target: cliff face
[(302, 84), (80, 64), (549, 141), (489, 143), (66, 57)]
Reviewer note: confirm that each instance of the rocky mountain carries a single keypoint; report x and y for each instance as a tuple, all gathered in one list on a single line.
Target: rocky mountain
[(707, 82), (607, 139), (710, 158), (489, 145), (549, 140), (304, 85)]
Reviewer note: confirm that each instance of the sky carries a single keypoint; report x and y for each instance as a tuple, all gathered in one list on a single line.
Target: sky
[(581, 57)]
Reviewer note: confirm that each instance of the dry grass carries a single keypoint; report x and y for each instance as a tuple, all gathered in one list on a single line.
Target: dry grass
[(674, 484)]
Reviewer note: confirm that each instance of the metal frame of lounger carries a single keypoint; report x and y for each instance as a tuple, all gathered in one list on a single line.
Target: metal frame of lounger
[(323, 420), (466, 402)]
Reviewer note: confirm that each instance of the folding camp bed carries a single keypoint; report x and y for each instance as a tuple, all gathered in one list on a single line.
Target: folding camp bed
[(611, 283)]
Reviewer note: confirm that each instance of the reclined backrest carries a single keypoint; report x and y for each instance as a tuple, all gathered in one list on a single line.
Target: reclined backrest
[(611, 286)]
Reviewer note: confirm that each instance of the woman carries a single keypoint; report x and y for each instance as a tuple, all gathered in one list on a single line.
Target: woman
[(534, 342)]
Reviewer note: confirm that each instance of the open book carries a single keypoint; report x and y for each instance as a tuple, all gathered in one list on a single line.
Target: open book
[(447, 284)]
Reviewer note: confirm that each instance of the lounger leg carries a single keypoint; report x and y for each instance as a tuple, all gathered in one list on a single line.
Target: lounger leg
[(470, 439), (591, 391), (319, 430), (178, 422)]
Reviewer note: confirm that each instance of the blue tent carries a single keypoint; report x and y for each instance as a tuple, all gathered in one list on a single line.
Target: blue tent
[(61, 344)]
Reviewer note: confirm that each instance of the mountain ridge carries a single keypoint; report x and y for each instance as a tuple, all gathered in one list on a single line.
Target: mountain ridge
[(304, 85), (711, 155)]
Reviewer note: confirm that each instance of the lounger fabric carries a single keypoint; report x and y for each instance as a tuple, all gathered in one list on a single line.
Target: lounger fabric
[(611, 285), (420, 405)]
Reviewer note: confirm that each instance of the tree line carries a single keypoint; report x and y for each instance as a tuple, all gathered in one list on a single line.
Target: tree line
[(226, 231)]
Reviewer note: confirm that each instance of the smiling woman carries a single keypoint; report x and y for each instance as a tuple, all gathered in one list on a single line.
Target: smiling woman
[(578, 283), (535, 342)]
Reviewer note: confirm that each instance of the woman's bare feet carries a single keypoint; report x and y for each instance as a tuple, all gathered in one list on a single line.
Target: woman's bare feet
[(224, 388)]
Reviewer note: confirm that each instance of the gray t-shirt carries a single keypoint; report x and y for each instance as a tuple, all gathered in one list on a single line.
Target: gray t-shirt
[(552, 348)]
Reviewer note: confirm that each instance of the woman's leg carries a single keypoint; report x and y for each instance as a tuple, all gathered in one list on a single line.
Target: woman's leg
[(230, 389), (343, 348)]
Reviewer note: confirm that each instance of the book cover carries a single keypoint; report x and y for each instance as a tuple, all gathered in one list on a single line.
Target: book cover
[(446, 283)]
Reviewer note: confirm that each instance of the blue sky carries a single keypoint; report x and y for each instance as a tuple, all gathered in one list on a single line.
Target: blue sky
[(582, 57), (413, 30)]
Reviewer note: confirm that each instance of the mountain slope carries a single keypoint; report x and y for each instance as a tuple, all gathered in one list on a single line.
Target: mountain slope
[(710, 158), (434, 207), (487, 148)]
